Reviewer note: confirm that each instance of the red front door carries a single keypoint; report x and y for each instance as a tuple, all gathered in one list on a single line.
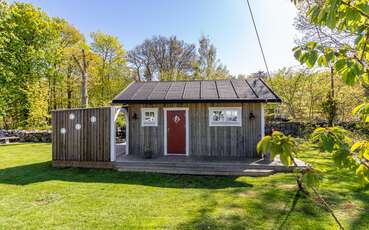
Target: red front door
[(176, 132)]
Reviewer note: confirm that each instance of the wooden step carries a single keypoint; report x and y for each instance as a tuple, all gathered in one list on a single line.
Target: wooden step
[(202, 165), (196, 170)]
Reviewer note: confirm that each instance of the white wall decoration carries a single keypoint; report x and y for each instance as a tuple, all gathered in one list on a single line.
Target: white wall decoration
[(63, 130), (78, 126), (93, 119), (71, 116)]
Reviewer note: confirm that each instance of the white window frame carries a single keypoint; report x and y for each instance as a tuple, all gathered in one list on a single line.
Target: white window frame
[(237, 123), (156, 114)]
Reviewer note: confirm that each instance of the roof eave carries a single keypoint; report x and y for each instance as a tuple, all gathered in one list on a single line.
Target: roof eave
[(256, 100)]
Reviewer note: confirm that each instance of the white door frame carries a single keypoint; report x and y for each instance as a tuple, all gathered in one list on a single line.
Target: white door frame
[(187, 130), (126, 115)]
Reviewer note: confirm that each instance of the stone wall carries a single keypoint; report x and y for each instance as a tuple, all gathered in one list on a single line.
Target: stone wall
[(301, 129), (296, 129), (28, 135)]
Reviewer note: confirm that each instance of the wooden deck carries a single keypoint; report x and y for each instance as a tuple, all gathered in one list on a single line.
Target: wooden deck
[(192, 166)]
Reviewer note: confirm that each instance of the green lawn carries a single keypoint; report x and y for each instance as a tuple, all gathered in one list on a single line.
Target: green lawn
[(34, 195)]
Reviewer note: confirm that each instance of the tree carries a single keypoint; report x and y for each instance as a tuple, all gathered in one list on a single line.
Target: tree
[(349, 60), (83, 67), (72, 41), (286, 148), (207, 65), (111, 66), (328, 37), (259, 74), (303, 91), (28, 49), (165, 58)]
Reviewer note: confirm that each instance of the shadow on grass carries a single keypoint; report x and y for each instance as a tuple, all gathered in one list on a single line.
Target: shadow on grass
[(361, 220), (41, 172), (296, 198)]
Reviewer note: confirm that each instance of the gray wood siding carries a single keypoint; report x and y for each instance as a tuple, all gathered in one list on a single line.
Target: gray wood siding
[(204, 141), (91, 143)]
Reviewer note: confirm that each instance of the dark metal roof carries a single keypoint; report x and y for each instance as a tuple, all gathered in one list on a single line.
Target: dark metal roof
[(248, 90)]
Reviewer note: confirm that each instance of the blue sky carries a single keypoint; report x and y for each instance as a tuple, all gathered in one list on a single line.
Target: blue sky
[(226, 22)]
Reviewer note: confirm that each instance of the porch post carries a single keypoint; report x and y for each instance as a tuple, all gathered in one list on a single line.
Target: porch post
[(262, 121), (113, 112), (126, 115)]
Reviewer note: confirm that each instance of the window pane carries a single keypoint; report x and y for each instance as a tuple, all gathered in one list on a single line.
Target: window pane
[(149, 116), (218, 116), (231, 115)]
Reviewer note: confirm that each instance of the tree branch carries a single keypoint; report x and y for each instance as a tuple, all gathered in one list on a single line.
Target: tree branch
[(353, 7), (77, 62)]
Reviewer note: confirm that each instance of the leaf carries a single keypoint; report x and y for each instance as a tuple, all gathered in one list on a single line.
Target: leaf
[(313, 56), (365, 78), (297, 54), (329, 56), (262, 146), (311, 45), (363, 173), (322, 61), (340, 64), (358, 108), (366, 155), (349, 76), (312, 178), (357, 145), (364, 7), (331, 17)]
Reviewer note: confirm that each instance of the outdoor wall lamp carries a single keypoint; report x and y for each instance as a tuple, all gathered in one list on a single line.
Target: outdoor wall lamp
[(134, 117), (251, 116)]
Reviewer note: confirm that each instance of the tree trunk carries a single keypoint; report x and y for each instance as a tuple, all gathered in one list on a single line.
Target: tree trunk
[(69, 87), (332, 82), (84, 81), (83, 69), (53, 93)]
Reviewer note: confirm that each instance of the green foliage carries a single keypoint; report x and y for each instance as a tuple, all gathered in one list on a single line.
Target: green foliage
[(279, 145), (111, 68), (348, 60), (362, 111), (286, 148), (355, 156), (38, 110), (310, 177), (28, 50), (302, 92), (361, 150), (38, 72), (329, 107)]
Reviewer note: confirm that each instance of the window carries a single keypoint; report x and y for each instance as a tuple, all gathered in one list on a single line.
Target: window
[(225, 116), (149, 117)]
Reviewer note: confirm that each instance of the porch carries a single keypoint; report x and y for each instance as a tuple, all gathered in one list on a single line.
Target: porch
[(196, 166)]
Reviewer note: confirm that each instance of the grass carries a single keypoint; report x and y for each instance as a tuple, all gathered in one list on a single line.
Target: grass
[(34, 195)]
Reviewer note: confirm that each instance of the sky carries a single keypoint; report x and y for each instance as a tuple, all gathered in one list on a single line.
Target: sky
[(226, 22)]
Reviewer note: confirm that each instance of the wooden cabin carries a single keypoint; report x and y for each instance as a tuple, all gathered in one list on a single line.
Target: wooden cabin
[(184, 127), (213, 119)]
